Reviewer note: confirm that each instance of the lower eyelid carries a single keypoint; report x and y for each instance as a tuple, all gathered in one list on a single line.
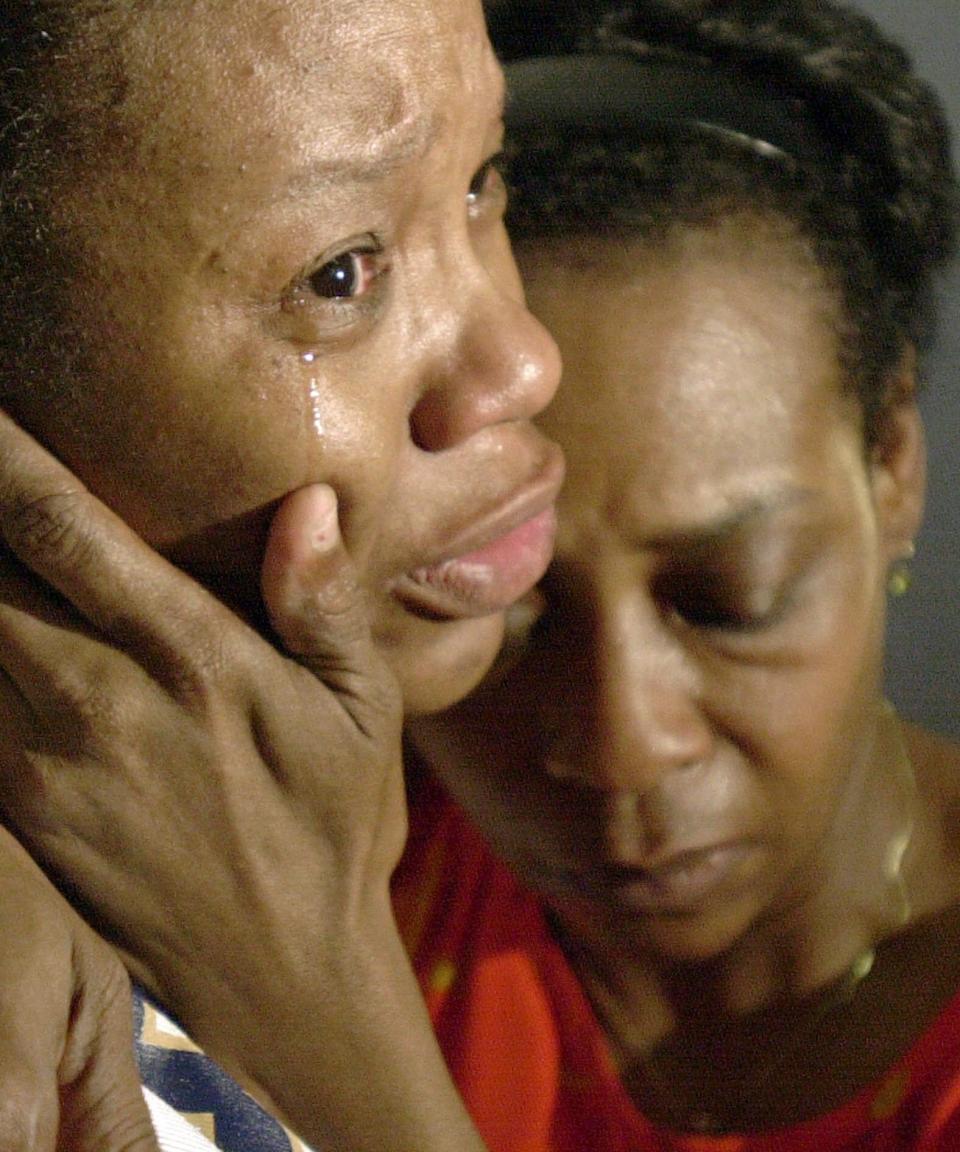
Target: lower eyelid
[(768, 618)]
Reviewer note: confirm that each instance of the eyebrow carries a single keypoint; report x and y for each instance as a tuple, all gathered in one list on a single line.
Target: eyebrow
[(385, 158), (717, 530), (413, 142)]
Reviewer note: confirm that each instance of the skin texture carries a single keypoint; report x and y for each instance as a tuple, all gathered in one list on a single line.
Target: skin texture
[(303, 372), (69, 1072), (149, 709), (265, 149), (679, 685)]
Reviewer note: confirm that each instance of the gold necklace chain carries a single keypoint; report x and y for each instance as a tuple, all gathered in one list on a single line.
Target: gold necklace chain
[(900, 841), (842, 991)]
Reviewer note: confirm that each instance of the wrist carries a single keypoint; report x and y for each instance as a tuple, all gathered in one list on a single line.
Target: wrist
[(337, 1043)]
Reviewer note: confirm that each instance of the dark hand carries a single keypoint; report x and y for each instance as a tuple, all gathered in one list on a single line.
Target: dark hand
[(229, 817), (68, 1080)]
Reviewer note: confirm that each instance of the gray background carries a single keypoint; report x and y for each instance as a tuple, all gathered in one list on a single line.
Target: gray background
[(924, 634)]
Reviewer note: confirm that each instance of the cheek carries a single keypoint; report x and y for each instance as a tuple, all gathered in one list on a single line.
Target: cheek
[(182, 453), (802, 720), (186, 449), (811, 726)]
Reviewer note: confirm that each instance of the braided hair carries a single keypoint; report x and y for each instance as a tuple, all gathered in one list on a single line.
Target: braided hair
[(877, 210)]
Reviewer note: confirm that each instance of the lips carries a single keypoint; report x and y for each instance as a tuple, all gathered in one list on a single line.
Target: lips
[(495, 561), (682, 883)]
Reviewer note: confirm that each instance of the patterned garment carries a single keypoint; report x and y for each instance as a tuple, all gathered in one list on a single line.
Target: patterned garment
[(194, 1104), (174, 1133)]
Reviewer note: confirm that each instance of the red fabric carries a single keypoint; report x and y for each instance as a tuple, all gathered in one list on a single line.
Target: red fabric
[(529, 1057)]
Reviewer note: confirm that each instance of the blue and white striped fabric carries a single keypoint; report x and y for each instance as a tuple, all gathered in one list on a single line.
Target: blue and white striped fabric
[(174, 1132), (194, 1104)]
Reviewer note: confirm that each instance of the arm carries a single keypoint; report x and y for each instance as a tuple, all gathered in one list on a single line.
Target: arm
[(227, 816)]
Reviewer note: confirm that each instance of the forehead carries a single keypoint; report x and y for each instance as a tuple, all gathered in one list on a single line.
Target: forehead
[(699, 372), (230, 85)]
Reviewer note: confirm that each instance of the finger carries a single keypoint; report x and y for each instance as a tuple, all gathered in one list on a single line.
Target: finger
[(102, 1103), (29, 1106), (44, 646), (78, 546), (106, 1113), (307, 580), (315, 601), (35, 988)]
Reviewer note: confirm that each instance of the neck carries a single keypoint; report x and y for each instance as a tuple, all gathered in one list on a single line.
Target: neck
[(849, 897)]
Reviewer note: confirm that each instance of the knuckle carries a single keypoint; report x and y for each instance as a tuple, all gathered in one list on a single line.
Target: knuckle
[(338, 600), (90, 699), (122, 1125), (50, 529), (130, 1132), (205, 664), (332, 615)]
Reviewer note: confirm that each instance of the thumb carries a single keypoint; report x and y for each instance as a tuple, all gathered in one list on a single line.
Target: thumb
[(314, 599)]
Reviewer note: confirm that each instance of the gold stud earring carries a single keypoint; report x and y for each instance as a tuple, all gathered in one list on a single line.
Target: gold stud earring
[(900, 576)]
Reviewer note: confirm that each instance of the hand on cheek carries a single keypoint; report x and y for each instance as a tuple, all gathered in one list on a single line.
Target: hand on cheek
[(228, 816)]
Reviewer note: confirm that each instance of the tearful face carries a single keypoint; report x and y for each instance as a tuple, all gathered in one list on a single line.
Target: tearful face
[(290, 266)]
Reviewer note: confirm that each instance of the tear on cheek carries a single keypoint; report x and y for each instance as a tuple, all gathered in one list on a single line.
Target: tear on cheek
[(315, 410)]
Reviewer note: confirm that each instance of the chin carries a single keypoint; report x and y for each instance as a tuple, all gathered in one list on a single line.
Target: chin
[(447, 661), (680, 942), (667, 938)]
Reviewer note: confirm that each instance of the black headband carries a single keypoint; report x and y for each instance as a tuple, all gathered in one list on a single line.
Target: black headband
[(623, 94)]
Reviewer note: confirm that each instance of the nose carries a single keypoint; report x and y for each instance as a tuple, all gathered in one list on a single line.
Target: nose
[(494, 362), (634, 714)]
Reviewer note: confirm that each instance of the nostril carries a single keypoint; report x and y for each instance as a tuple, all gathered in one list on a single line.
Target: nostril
[(430, 423), (449, 413)]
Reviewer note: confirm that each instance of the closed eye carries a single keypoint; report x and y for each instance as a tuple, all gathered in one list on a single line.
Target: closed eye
[(713, 603)]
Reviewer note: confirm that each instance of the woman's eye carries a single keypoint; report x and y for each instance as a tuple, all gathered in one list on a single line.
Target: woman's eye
[(346, 276), (724, 617), (713, 606), (486, 186), (334, 292)]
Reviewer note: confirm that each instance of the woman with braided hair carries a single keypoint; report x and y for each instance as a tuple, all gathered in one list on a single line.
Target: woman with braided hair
[(731, 914)]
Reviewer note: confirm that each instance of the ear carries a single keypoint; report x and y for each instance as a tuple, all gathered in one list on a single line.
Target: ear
[(898, 460)]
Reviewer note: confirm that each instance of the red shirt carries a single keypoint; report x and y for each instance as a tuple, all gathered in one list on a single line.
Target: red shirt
[(530, 1058)]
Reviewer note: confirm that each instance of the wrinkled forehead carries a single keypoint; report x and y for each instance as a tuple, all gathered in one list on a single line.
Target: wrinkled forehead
[(231, 78)]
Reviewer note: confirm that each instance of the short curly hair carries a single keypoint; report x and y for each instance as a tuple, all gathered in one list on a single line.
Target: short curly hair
[(879, 219), (60, 74)]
